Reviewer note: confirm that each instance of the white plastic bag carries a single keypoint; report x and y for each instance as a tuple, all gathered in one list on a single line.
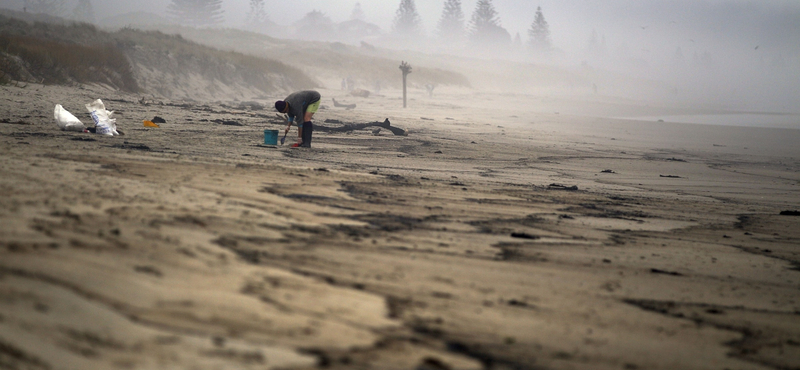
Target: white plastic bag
[(66, 121), (103, 123)]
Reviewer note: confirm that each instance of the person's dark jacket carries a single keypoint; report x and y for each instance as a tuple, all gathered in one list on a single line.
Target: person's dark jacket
[(299, 102)]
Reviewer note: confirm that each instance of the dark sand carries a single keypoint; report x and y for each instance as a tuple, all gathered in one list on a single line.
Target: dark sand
[(535, 239)]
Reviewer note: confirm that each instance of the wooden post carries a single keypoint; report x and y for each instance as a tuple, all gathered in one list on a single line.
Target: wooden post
[(406, 68)]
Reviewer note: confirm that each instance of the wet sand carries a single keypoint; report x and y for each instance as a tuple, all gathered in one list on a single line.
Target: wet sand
[(538, 237)]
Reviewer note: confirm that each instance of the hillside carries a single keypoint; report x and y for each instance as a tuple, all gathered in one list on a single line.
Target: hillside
[(185, 63), (53, 51), (371, 65), (364, 64), (159, 59)]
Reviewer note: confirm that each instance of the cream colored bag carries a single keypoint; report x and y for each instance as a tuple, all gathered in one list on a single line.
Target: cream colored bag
[(66, 121), (103, 123)]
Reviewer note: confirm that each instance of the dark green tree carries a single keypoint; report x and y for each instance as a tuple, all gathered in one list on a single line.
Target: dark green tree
[(358, 13), (407, 21), (451, 25), (84, 12), (597, 45), (485, 26), (539, 33), (256, 15), (197, 13), (315, 25)]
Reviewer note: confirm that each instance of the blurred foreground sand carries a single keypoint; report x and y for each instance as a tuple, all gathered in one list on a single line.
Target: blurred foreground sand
[(504, 232)]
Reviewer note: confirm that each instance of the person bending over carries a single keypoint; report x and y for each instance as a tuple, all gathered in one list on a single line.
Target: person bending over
[(300, 106)]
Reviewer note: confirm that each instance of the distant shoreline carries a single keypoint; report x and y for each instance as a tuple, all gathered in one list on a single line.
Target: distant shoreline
[(757, 120)]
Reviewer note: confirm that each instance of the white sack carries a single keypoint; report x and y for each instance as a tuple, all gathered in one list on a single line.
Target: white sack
[(66, 121), (103, 123)]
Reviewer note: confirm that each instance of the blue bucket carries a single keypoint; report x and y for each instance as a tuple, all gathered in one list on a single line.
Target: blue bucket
[(270, 137)]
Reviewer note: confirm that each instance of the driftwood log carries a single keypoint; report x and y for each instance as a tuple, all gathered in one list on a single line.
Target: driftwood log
[(345, 106), (360, 92), (346, 127)]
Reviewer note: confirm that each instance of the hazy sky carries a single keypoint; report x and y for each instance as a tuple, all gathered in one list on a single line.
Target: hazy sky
[(635, 24), (743, 52), (745, 40), (651, 30)]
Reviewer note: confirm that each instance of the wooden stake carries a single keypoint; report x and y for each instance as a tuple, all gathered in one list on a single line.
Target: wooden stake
[(406, 68)]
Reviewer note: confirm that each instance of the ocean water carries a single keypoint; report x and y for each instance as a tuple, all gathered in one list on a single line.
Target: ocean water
[(790, 121)]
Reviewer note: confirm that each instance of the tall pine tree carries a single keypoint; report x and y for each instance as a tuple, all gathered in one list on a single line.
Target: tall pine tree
[(358, 13), (485, 26), (84, 11), (539, 33), (597, 45), (407, 21), (315, 25), (197, 13), (451, 25), (256, 16)]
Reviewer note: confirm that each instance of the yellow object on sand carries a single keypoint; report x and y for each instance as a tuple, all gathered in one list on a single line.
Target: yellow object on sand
[(150, 124)]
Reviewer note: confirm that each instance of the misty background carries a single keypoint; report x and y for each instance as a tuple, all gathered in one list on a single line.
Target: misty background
[(744, 55)]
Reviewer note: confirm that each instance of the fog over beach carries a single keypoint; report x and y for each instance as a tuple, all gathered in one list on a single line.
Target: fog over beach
[(571, 185), (742, 55)]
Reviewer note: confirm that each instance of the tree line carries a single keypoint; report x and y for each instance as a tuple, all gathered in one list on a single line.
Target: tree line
[(483, 28)]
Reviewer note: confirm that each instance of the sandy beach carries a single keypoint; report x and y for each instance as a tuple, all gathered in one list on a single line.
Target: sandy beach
[(546, 236)]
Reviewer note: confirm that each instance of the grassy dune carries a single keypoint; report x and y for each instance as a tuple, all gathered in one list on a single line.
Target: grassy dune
[(62, 53)]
